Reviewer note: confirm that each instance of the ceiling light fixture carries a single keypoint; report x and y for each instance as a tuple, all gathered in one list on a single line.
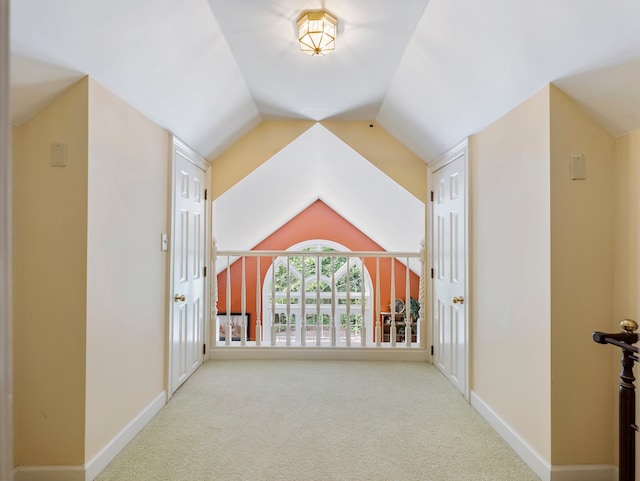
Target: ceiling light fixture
[(317, 32)]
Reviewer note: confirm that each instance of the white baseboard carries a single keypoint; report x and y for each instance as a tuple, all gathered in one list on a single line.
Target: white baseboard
[(100, 461), (529, 455), (49, 473), (546, 472), (93, 468), (316, 353), (587, 472), (7, 471)]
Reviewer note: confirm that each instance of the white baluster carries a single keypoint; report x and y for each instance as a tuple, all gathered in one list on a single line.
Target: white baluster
[(227, 337), (318, 317), (288, 300), (348, 302), (393, 303), (303, 314), (333, 301), (214, 292), (363, 328), (422, 297), (258, 317), (243, 305), (378, 326), (407, 309), (273, 301)]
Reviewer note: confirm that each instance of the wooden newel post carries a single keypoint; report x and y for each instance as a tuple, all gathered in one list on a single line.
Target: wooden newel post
[(627, 411), (627, 418)]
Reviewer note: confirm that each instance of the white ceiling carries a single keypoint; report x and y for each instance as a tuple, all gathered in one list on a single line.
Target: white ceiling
[(431, 72)]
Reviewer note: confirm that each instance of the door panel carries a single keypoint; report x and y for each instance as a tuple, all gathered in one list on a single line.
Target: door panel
[(188, 279), (449, 261)]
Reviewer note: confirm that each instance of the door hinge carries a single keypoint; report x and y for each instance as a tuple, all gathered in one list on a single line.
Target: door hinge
[(204, 349), (205, 194), (432, 350), (431, 196), (432, 273), (204, 271)]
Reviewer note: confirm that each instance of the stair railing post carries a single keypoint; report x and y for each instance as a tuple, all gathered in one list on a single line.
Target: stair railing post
[(627, 396), (627, 418)]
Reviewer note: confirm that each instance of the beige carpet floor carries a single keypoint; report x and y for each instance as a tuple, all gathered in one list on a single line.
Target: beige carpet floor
[(317, 420)]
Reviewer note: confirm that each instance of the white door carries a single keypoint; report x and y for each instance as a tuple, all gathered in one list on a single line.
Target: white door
[(188, 257), (449, 270)]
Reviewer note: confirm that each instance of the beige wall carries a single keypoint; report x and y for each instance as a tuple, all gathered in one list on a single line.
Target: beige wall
[(626, 288), (90, 278), (626, 221), (50, 226), (126, 269), (542, 275), (581, 287), (6, 345), (510, 270)]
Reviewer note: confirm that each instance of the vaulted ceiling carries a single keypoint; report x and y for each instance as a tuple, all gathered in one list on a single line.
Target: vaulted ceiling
[(430, 72)]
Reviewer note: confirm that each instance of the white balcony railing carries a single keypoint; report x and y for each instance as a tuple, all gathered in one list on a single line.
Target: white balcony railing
[(322, 298)]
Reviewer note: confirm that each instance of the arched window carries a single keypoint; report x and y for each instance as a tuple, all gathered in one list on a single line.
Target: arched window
[(333, 289)]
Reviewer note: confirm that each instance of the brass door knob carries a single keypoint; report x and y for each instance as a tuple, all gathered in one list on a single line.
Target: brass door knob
[(458, 300), (178, 298)]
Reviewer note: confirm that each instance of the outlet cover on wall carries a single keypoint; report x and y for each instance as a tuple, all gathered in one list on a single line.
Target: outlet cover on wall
[(578, 167), (58, 154)]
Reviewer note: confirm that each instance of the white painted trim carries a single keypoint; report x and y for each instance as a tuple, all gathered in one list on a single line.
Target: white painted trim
[(459, 150), (6, 336), (177, 146), (585, 472), (317, 353), (50, 473), (529, 455), (208, 239), (100, 461), (190, 154)]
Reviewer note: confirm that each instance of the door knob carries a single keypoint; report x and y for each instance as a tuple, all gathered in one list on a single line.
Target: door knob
[(178, 297), (458, 300)]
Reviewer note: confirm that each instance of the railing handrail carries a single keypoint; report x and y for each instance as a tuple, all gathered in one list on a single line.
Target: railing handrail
[(276, 253), (371, 316)]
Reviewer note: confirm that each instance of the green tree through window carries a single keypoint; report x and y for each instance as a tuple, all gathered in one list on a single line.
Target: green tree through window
[(318, 273)]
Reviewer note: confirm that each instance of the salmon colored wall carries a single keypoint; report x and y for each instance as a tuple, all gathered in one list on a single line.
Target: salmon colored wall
[(318, 221)]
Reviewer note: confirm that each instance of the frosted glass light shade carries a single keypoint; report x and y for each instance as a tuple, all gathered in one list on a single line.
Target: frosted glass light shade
[(317, 33)]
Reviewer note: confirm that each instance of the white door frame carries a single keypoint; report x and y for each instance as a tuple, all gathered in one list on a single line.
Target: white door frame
[(177, 146), (459, 150), (6, 355)]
